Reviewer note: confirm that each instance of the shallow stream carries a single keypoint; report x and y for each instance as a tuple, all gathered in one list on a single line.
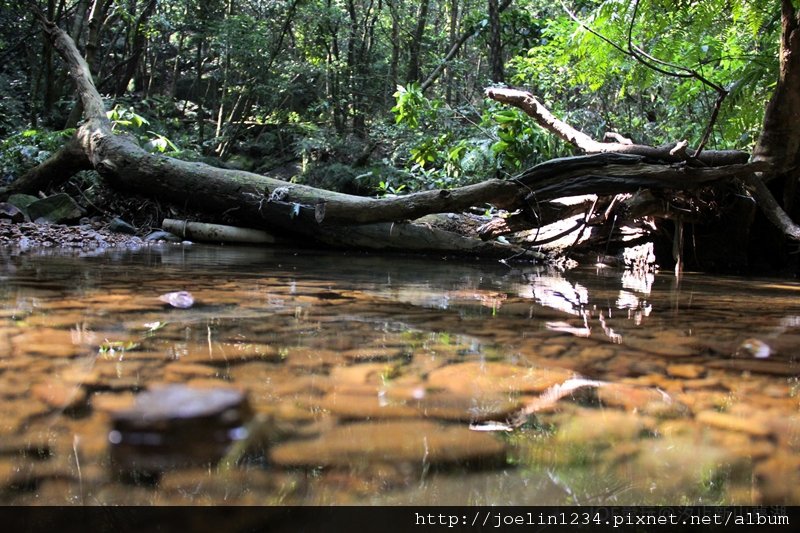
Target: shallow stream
[(389, 380)]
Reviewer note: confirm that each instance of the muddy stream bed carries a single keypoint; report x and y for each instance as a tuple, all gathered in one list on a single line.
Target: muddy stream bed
[(306, 378)]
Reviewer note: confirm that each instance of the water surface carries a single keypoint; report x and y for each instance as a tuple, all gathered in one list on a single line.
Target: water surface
[(391, 380)]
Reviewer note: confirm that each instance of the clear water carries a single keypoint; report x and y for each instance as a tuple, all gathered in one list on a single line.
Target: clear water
[(392, 380)]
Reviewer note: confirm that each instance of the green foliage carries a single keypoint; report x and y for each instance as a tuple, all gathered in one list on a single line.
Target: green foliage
[(263, 82), (412, 106), (443, 147), (520, 141), (24, 150), (124, 118), (731, 43), (388, 188)]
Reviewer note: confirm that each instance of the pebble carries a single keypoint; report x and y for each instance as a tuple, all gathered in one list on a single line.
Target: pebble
[(117, 225), (374, 354), (27, 236), (11, 212), (162, 236), (178, 299)]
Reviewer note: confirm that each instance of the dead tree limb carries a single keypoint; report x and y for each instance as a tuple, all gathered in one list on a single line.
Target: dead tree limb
[(583, 142)]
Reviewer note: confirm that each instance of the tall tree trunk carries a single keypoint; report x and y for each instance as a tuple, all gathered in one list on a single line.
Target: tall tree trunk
[(468, 33), (353, 68), (226, 68), (394, 62), (97, 15), (332, 71), (49, 89), (138, 43), (415, 46), (198, 81), (495, 44), (80, 17), (779, 142), (451, 43)]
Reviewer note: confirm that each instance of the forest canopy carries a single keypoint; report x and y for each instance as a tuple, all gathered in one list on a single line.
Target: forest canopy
[(381, 98)]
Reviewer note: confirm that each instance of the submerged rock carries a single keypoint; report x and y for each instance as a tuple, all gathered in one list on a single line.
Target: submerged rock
[(666, 344), (600, 428), (177, 426), (752, 426), (491, 378), (351, 403), (415, 441), (682, 464), (644, 400)]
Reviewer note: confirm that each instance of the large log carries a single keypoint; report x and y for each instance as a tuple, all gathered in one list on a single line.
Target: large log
[(611, 173)]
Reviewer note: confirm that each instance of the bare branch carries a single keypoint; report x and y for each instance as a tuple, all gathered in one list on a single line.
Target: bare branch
[(771, 208), (530, 105)]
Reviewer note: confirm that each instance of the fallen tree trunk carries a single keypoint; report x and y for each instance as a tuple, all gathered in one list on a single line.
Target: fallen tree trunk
[(306, 213), (612, 173)]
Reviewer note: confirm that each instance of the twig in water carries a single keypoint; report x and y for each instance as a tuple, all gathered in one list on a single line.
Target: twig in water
[(75, 441)]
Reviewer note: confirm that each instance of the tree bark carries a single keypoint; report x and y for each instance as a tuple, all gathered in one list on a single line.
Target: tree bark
[(415, 43), (779, 142), (495, 43)]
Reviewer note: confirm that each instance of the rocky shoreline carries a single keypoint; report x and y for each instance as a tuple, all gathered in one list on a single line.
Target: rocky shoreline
[(91, 235)]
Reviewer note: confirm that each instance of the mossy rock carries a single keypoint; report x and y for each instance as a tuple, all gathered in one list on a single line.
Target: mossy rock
[(56, 209), (22, 201)]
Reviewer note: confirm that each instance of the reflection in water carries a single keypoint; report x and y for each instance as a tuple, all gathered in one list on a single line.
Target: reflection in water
[(557, 293), (363, 376)]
